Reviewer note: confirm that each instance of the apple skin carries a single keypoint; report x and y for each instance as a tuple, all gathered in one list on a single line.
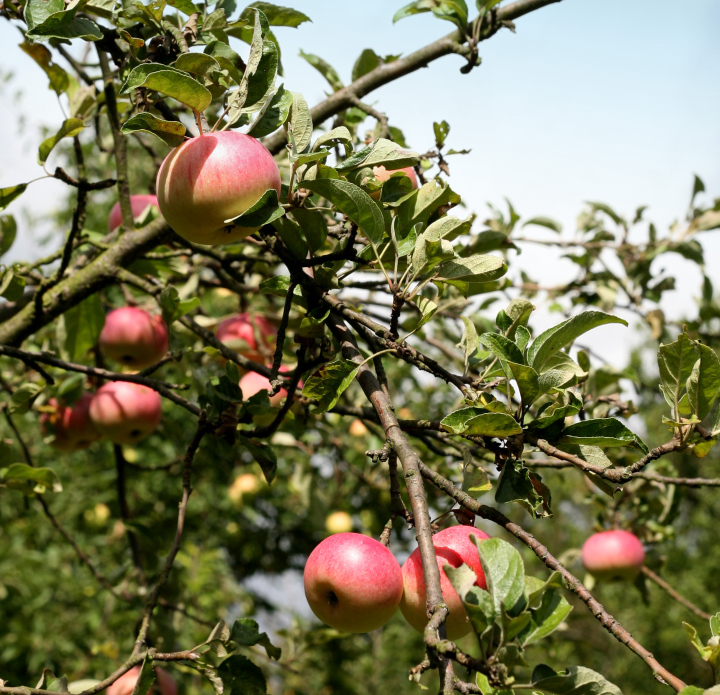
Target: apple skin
[(252, 383), (213, 178), (71, 424), (138, 203), (353, 583), (382, 174), (125, 684), (245, 485), (125, 412), (611, 555), (239, 333), (338, 522), (452, 546), (133, 337), (357, 428)]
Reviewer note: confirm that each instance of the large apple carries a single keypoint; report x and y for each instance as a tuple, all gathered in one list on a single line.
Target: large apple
[(211, 179), (338, 522), (71, 424), (252, 383), (453, 547), (133, 337), (353, 583), (125, 412), (138, 203), (241, 333), (125, 684), (613, 555)]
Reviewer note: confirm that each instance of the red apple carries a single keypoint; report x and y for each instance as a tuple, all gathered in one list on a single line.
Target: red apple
[(125, 684), (133, 337), (241, 334), (252, 383), (613, 555), (138, 203), (125, 412), (70, 424), (211, 179), (353, 583), (382, 174), (452, 546)]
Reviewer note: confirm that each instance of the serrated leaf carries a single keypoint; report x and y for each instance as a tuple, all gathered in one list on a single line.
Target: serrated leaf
[(173, 307), (704, 382), (172, 133), (314, 227), (553, 609), (145, 679), (30, 479), (292, 237), (200, 64), (475, 478), (246, 633), (263, 454), (492, 425), (502, 347), (70, 128), (517, 484), (340, 135), (171, 82), (48, 19), (605, 432), (240, 676), (575, 680), (546, 222), (419, 205), (301, 125), (454, 11), (328, 383), (676, 361), (380, 152), (264, 211), (273, 114), (478, 268), (325, 69), (504, 572), (12, 286), (279, 16), (8, 194)]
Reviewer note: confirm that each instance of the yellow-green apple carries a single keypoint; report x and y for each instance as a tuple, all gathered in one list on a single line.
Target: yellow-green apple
[(338, 522), (133, 337), (125, 684), (353, 583), (357, 428), (211, 179), (453, 547), (71, 424), (125, 412), (98, 516), (613, 555), (245, 485), (138, 203), (252, 383), (250, 336)]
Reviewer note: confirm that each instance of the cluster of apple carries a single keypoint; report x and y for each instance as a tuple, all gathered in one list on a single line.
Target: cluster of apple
[(354, 583)]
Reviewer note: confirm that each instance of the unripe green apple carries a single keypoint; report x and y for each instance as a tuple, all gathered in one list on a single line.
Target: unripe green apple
[(125, 412), (454, 547), (125, 684), (133, 337), (611, 555), (211, 179), (353, 583), (138, 203), (338, 522)]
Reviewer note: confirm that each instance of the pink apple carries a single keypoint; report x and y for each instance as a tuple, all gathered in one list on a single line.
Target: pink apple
[(241, 334), (613, 555), (382, 174), (125, 412), (211, 179), (454, 547), (252, 383), (71, 424), (133, 337), (353, 583), (138, 203), (125, 684)]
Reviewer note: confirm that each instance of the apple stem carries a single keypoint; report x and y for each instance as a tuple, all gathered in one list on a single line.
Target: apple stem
[(199, 122)]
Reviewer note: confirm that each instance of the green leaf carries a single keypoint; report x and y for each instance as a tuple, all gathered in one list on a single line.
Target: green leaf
[(200, 64), (261, 81), (428, 254), (557, 337), (575, 680), (328, 383), (240, 676), (427, 309), (8, 232), (527, 380), (246, 633), (278, 16), (420, 204), (70, 128), (292, 237), (325, 69), (517, 484), (48, 19), (301, 125), (171, 82), (441, 130), (504, 572), (367, 61), (264, 211), (29, 479), (273, 115), (145, 679), (59, 80), (353, 202), (79, 328), (475, 479), (314, 226), (262, 453), (606, 432), (449, 228), (492, 425), (456, 422), (545, 222), (172, 133), (547, 618), (454, 11), (24, 396), (715, 625), (692, 690), (502, 347), (173, 307), (567, 404), (12, 286), (7, 195), (676, 361), (704, 382), (463, 273), (380, 152), (340, 135)]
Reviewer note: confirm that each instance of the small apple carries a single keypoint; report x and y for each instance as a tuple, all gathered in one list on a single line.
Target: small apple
[(211, 179), (452, 546), (357, 428), (125, 684), (98, 516), (241, 333), (613, 555), (245, 485), (382, 174), (338, 522), (138, 203), (71, 424), (252, 383), (353, 583), (404, 414), (133, 337), (125, 412)]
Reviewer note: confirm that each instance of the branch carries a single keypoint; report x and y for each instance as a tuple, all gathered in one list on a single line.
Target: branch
[(674, 594)]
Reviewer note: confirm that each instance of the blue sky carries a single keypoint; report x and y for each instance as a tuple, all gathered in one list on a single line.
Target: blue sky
[(612, 101)]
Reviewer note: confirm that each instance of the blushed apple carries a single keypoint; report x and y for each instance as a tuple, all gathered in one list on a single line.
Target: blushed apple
[(454, 547), (241, 333), (357, 428), (133, 337), (138, 203), (338, 522), (613, 555), (382, 174), (125, 412), (125, 684), (353, 583), (71, 424), (252, 383), (211, 179)]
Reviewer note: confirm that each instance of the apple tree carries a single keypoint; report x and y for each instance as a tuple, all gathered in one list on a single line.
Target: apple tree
[(266, 325)]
